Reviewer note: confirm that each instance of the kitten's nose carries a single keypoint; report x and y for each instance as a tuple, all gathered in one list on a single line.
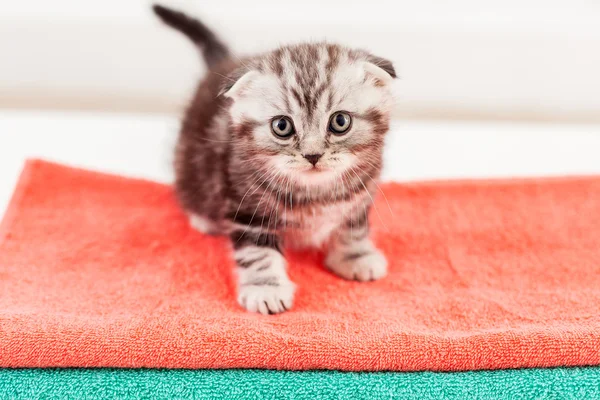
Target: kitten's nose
[(312, 158)]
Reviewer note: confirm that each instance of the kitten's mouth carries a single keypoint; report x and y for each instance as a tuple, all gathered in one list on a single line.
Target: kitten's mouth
[(317, 175), (315, 169)]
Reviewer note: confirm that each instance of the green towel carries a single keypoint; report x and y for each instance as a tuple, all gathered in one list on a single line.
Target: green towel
[(555, 383)]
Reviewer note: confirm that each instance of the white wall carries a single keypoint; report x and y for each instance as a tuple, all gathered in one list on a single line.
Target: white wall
[(507, 59)]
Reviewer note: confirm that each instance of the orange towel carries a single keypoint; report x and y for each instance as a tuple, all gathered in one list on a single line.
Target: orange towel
[(98, 270)]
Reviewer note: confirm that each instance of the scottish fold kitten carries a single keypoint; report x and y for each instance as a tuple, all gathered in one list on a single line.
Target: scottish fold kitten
[(283, 149)]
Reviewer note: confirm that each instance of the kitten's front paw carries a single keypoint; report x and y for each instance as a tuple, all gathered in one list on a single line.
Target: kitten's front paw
[(359, 266), (267, 298)]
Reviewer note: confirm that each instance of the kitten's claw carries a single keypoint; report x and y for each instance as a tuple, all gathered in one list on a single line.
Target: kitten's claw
[(369, 267), (266, 299)]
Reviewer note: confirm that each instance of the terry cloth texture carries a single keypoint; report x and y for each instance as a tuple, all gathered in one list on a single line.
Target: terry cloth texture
[(123, 384), (104, 271)]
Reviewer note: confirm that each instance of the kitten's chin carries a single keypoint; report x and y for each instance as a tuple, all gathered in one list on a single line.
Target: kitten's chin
[(309, 176), (315, 176)]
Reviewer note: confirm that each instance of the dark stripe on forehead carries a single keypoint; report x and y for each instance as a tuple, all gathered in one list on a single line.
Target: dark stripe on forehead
[(354, 54), (307, 68), (318, 94), (320, 90), (312, 64), (300, 79), (288, 108), (332, 62), (295, 56), (312, 54), (330, 100), (276, 62), (298, 98), (309, 103), (313, 101)]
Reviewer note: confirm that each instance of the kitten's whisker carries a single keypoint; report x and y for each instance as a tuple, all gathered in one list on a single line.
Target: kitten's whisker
[(279, 192), (256, 209), (250, 188), (214, 140), (291, 190), (276, 177), (287, 189), (366, 213), (350, 210), (241, 62), (257, 158), (378, 187), (333, 195), (356, 192), (275, 207), (262, 196), (223, 76), (371, 197), (285, 202)]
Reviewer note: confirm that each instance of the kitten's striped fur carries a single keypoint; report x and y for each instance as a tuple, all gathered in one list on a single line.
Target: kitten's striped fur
[(235, 177)]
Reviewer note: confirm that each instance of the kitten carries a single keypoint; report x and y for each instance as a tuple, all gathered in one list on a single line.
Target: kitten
[(284, 148)]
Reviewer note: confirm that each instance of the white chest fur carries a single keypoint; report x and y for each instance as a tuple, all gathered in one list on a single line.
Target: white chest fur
[(313, 226)]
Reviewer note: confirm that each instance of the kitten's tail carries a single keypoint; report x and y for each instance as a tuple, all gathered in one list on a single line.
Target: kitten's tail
[(213, 50)]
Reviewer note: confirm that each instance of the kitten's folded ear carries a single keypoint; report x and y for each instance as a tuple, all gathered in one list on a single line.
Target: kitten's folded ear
[(237, 86), (380, 68), (384, 64)]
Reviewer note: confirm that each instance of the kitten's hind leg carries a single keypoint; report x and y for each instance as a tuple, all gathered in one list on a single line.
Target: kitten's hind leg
[(263, 284)]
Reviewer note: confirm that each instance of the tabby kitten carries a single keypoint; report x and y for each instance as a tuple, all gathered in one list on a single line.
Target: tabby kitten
[(284, 148)]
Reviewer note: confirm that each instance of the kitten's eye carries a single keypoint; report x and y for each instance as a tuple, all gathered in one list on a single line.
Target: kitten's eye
[(282, 127), (340, 123)]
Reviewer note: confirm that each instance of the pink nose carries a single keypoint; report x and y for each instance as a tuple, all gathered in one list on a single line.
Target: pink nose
[(313, 158)]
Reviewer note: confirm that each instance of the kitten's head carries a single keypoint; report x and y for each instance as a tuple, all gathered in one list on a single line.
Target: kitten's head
[(312, 112)]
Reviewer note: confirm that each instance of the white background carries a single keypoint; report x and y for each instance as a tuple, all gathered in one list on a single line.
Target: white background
[(488, 88), (525, 59)]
